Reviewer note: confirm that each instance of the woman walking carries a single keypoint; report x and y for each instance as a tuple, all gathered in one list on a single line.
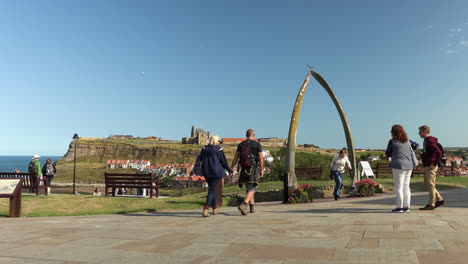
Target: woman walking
[(402, 161), (338, 166), (213, 164)]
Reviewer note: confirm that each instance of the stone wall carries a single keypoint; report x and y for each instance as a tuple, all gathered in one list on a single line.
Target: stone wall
[(277, 195)]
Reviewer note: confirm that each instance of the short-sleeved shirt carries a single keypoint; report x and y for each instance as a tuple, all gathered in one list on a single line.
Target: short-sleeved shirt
[(255, 148), (250, 175)]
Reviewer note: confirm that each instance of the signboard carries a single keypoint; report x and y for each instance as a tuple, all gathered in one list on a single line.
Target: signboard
[(8, 186), (11, 188), (365, 169)]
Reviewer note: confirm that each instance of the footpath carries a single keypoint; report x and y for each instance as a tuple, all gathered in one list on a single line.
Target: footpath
[(351, 230)]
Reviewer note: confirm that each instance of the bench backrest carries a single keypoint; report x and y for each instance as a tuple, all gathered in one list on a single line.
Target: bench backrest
[(138, 180), (383, 168), (20, 175), (309, 173)]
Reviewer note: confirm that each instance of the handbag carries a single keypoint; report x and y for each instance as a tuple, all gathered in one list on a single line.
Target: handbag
[(414, 159)]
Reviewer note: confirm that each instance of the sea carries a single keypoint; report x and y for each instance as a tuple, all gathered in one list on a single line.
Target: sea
[(12, 163)]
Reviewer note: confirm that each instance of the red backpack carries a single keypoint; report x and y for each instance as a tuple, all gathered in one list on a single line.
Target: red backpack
[(246, 158)]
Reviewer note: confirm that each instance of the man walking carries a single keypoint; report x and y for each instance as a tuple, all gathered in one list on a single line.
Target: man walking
[(430, 158), (250, 158)]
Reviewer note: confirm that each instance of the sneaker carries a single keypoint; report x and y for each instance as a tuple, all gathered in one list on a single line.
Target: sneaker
[(242, 208), (252, 208), (439, 203), (427, 207), (397, 210), (215, 211), (405, 209), (205, 212)]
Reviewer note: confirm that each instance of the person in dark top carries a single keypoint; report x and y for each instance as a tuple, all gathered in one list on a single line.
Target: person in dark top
[(430, 158), (212, 164), (48, 173), (249, 157)]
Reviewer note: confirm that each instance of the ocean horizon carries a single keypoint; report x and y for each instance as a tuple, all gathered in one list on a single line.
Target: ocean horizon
[(12, 163)]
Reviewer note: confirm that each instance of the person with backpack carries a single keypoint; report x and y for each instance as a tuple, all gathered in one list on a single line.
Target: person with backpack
[(431, 156), (48, 171), (212, 164), (35, 167), (249, 158)]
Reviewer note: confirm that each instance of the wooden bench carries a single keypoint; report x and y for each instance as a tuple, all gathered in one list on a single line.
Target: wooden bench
[(27, 181), (314, 173), (382, 168), (131, 180)]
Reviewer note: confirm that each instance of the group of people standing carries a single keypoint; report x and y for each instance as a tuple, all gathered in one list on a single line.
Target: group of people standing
[(212, 164), (400, 151), (46, 173), (403, 160)]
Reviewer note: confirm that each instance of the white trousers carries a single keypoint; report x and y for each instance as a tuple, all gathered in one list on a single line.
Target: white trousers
[(401, 182)]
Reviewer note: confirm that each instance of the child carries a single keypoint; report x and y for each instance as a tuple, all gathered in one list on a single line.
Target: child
[(97, 192)]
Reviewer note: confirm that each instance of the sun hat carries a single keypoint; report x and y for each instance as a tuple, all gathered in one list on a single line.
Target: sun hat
[(36, 156)]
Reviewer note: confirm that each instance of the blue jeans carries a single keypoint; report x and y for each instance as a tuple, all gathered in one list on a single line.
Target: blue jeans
[(211, 197), (338, 183)]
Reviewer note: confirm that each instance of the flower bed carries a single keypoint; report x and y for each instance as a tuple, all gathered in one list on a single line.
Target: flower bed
[(301, 194), (366, 188)]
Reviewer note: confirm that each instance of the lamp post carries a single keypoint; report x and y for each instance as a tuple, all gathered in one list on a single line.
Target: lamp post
[(75, 138)]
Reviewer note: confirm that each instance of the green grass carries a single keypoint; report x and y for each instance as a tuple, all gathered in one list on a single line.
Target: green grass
[(85, 173), (67, 205)]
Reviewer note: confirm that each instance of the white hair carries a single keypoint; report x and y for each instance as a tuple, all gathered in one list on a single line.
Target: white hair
[(213, 140)]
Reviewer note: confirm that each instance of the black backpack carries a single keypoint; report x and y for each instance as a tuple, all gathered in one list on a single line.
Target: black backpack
[(32, 167), (443, 157), (246, 158)]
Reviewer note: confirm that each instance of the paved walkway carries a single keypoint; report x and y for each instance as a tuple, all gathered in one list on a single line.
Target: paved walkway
[(352, 230)]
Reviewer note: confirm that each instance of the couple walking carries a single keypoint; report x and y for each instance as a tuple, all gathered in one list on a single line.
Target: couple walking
[(212, 164), (403, 160)]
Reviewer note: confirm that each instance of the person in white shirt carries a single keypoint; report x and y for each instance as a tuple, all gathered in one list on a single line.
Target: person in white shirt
[(338, 166)]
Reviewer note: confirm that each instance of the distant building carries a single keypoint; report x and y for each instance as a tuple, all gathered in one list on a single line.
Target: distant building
[(458, 161), (153, 138), (120, 136), (124, 164), (197, 137), (310, 146), (174, 169), (142, 164), (232, 140), (272, 140), (117, 164)]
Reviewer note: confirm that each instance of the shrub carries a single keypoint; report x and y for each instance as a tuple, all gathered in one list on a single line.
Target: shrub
[(366, 188), (301, 194), (303, 159)]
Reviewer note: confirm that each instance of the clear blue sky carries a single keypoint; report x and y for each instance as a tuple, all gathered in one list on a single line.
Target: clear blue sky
[(155, 68)]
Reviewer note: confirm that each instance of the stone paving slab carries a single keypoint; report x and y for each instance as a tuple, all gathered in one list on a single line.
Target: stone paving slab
[(351, 230)]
